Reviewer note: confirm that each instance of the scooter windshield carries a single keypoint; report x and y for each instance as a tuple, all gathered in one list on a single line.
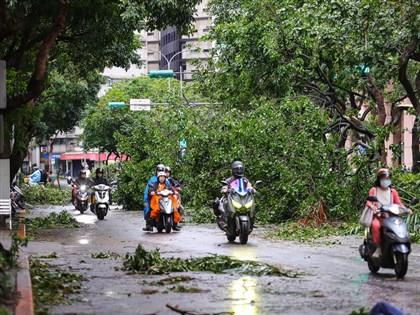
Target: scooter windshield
[(239, 186)]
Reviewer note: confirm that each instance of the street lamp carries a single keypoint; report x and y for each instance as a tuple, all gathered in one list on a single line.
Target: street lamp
[(170, 60)]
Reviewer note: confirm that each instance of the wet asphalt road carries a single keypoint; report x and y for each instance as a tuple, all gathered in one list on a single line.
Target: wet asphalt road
[(333, 278)]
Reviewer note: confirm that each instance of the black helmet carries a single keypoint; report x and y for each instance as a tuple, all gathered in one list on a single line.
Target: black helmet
[(82, 172), (238, 168), (99, 170), (168, 169), (160, 168)]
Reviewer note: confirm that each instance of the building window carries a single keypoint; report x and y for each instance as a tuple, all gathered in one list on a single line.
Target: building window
[(150, 33)]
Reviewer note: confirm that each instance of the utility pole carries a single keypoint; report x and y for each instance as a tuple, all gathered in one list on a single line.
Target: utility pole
[(4, 163)]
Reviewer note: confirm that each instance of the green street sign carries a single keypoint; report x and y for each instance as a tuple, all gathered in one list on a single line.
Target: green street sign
[(156, 74), (116, 104)]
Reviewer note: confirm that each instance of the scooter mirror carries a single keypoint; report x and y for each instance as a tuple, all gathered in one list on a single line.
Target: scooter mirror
[(258, 182), (224, 182), (372, 198)]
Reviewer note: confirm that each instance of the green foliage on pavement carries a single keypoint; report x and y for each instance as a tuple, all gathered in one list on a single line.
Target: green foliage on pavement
[(52, 286), (294, 231), (9, 266), (53, 220), (62, 219), (152, 263), (41, 195)]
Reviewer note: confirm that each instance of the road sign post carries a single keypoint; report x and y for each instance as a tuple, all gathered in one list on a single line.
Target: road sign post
[(116, 104), (157, 74), (140, 104)]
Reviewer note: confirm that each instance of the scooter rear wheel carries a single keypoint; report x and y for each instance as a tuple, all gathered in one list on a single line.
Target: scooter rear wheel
[(231, 238), (401, 264)]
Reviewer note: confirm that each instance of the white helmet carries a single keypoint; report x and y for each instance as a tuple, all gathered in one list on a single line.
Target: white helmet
[(159, 174)]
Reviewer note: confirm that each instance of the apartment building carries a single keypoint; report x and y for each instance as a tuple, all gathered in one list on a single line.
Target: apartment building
[(167, 49)]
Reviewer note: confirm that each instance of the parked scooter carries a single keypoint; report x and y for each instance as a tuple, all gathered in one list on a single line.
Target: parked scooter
[(100, 201), (165, 220), (239, 207), (17, 198), (395, 241)]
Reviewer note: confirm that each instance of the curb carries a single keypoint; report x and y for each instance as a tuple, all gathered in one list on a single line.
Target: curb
[(25, 304)]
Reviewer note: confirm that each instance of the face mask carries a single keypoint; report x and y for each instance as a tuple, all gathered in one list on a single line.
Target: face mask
[(385, 183)]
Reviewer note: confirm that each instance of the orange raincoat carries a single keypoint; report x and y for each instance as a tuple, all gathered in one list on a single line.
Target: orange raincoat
[(154, 204)]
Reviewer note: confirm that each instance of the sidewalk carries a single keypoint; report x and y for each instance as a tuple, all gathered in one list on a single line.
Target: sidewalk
[(25, 305)]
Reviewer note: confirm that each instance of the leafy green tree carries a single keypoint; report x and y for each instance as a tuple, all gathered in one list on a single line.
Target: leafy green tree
[(62, 103), (270, 49), (90, 34)]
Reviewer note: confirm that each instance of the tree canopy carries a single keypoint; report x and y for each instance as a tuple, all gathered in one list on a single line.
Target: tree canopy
[(39, 37), (343, 54)]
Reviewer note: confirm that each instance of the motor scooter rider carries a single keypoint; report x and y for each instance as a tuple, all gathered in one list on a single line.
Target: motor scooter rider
[(100, 179), (35, 177), (238, 170), (386, 195), (81, 179), (155, 187), (146, 196), (175, 184)]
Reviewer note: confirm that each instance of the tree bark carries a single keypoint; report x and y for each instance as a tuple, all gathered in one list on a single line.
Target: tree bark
[(415, 146), (35, 85)]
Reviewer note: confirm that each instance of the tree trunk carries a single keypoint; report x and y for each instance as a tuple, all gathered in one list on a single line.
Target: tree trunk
[(51, 142), (415, 146)]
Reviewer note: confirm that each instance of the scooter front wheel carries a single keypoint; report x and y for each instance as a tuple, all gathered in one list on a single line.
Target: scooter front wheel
[(372, 267), (100, 213), (401, 264), (168, 224), (243, 234)]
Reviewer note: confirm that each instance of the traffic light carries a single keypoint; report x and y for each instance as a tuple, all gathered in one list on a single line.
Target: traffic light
[(157, 74)]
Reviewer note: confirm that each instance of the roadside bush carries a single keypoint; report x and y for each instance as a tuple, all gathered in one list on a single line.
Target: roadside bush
[(282, 144), (38, 194)]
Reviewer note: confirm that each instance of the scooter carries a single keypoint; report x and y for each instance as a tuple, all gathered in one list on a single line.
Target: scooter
[(100, 201), (239, 209), (81, 202), (395, 241), (165, 220), (17, 198)]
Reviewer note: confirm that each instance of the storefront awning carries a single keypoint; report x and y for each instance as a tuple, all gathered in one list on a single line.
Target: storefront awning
[(89, 156)]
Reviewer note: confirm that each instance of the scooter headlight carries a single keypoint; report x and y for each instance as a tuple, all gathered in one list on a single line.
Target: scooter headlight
[(249, 204), (83, 187), (236, 204)]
